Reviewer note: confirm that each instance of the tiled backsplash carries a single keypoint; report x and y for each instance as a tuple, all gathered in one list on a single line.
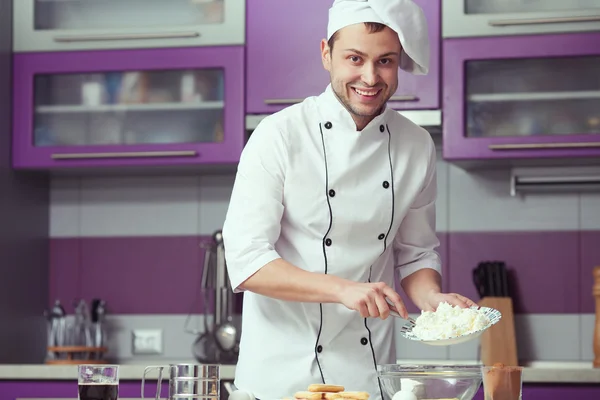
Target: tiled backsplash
[(135, 242)]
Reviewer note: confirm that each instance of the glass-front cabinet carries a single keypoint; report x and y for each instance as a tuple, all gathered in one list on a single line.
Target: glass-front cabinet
[(134, 107), (512, 17), (52, 25), (513, 97)]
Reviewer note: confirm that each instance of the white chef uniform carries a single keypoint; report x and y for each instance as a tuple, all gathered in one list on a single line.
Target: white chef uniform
[(327, 198)]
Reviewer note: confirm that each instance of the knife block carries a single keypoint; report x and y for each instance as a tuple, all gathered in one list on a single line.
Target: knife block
[(596, 294), (499, 343)]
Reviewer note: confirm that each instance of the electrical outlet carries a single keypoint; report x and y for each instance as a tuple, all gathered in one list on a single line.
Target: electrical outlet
[(147, 341)]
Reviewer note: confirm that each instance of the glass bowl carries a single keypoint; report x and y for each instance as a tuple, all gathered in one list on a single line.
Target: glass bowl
[(431, 382)]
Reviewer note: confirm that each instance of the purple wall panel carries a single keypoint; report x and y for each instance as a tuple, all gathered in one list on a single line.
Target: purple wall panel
[(65, 279), (135, 275), (590, 258), (544, 267), (145, 274), (154, 275)]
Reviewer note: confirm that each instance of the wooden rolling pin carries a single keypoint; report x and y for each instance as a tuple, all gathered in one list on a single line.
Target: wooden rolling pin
[(596, 293)]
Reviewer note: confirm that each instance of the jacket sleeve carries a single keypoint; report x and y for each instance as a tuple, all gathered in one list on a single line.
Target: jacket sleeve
[(252, 223), (416, 240)]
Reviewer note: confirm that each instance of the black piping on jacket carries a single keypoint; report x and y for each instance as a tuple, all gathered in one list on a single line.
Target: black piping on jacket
[(324, 250)]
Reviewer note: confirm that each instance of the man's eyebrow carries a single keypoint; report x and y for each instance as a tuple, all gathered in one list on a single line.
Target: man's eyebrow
[(360, 53)]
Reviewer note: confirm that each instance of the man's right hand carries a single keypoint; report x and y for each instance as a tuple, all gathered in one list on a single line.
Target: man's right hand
[(369, 299)]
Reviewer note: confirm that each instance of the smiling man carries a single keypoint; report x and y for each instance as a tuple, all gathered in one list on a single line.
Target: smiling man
[(334, 197)]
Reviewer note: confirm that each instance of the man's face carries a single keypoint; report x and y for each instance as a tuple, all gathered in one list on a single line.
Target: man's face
[(364, 69)]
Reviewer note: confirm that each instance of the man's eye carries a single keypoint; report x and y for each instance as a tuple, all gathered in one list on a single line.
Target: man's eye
[(385, 61), (354, 59)]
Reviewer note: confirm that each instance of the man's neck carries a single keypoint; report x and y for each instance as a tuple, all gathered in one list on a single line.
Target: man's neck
[(362, 122)]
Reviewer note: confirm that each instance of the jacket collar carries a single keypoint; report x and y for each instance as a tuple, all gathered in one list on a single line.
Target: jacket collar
[(333, 111)]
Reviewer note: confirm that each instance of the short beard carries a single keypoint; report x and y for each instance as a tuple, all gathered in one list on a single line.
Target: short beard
[(346, 103)]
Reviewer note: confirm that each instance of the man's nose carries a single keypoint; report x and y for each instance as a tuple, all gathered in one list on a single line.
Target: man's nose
[(370, 75)]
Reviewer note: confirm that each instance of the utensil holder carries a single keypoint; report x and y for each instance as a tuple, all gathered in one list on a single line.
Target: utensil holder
[(74, 355), (498, 343)]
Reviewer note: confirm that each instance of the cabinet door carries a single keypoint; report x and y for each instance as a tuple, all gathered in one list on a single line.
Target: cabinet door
[(51, 25), (136, 107), (284, 60), (513, 17), (522, 97)]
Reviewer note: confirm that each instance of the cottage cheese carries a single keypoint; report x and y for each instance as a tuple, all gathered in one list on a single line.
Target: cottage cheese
[(448, 321)]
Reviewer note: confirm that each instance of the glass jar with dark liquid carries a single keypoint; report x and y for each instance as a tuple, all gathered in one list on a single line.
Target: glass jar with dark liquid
[(98, 382)]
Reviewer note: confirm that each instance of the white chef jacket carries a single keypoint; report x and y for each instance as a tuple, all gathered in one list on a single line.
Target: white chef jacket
[(327, 198)]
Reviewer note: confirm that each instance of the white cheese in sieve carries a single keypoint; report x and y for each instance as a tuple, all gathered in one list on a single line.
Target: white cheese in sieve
[(448, 321)]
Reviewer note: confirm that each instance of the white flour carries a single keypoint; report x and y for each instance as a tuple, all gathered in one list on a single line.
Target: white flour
[(448, 321)]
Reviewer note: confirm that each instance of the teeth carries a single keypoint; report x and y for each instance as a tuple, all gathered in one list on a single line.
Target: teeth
[(365, 93)]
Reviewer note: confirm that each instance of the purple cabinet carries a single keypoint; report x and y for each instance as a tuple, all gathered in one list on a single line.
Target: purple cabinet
[(284, 60), (521, 97), (171, 106)]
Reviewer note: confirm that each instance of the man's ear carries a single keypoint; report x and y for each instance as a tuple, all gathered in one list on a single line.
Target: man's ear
[(326, 55)]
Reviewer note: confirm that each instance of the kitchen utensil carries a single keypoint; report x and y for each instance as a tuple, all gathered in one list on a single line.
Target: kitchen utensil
[(98, 314), (218, 343), (490, 278), (204, 347), (226, 333), (480, 280), (58, 326), (188, 380), (429, 381), (503, 280), (494, 316), (82, 334)]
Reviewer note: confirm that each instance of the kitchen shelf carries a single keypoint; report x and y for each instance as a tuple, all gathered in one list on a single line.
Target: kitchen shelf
[(533, 96), (205, 105)]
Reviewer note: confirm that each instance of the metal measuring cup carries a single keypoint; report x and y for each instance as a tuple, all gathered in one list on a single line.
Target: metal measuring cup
[(188, 381)]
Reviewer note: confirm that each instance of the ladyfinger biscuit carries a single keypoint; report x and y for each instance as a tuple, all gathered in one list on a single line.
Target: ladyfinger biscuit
[(319, 387), (353, 395), (309, 395)]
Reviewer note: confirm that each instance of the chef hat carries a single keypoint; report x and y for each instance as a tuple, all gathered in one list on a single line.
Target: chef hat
[(403, 16)]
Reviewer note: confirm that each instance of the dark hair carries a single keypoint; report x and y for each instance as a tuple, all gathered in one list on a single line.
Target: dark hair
[(373, 27)]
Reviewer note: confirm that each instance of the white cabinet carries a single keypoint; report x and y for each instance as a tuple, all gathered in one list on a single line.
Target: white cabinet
[(59, 25), (517, 17)]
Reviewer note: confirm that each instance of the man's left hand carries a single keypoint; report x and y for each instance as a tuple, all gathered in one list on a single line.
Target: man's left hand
[(433, 300)]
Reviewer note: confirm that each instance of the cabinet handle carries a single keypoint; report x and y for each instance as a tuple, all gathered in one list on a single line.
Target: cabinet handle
[(283, 101), (539, 21), (294, 101), (131, 36), (407, 97), (132, 154), (525, 146)]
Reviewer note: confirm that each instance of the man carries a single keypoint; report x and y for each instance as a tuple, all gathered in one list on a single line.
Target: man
[(332, 197)]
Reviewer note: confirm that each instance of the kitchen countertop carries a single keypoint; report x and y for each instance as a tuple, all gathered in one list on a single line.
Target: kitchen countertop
[(535, 372)]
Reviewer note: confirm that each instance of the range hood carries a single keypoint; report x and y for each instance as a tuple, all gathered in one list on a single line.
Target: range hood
[(555, 179), (428, 119)]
